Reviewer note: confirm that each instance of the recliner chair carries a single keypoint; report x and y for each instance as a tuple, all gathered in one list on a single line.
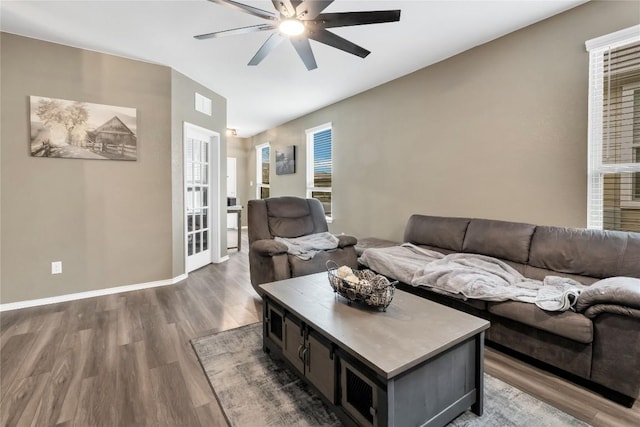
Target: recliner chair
[(289, 217)]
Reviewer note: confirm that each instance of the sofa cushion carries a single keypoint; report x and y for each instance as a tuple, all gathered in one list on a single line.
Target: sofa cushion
[(289, 217), (540, 273), (499, 239), (594, 253), (373, 242), (287, 207), (441, 232), (290, 227), (317, 264), (567, 324), (630, 264)]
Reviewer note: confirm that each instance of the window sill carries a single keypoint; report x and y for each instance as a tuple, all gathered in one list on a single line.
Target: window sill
[(630, 205)]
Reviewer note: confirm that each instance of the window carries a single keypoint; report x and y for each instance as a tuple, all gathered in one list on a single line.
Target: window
[(262, 171), (614, 131), (320, 166), (636, 177)]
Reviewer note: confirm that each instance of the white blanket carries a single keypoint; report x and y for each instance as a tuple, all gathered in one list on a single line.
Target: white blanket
[(470, 276), (306, 247)]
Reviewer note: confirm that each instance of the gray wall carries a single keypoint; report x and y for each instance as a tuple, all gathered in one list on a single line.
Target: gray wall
[(183, 92), (111, 223), (499, 131)]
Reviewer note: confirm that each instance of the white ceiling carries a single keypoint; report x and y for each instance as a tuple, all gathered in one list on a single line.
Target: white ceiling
[(280, 88)]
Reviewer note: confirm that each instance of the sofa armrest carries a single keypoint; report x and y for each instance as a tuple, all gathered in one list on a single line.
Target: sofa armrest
[(622, 291), (373, 242), (344, 241), (596, 310), (269, 247)]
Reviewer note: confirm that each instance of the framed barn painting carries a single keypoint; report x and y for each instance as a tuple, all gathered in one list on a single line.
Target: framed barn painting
[(286, 160), (82, 130)]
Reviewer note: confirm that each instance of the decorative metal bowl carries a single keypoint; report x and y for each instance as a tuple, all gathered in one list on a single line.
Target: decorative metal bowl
[(362, 286)]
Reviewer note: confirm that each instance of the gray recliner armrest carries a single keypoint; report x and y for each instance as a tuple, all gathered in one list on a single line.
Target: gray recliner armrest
[(269, 247), (344, 241), (623, 291), (595, 310)]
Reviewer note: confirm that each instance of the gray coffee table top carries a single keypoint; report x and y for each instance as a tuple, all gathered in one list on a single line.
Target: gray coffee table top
[(412, 330)]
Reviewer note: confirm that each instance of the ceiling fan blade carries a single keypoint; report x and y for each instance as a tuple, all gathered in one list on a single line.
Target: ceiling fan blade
[(345, 19), (287, 8), (309, 9), (236, 31), (247, 9), (327, 37), (303, 47), (274, 40)]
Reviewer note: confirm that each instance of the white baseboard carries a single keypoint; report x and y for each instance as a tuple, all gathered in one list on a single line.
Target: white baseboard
[(90, 294)]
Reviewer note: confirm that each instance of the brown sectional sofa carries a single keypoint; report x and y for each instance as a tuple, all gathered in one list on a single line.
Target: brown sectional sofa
[(600, 342)]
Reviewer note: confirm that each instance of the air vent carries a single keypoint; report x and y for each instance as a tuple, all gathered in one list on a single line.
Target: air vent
[(203, 104)]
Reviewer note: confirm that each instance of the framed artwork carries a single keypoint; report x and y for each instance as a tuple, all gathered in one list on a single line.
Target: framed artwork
[(82, 130), (286, 160)]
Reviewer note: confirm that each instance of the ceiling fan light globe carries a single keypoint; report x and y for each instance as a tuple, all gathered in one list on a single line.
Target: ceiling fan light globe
[(291, 27)]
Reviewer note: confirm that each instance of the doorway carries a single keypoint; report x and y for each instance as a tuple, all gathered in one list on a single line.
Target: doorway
[(202, 196)]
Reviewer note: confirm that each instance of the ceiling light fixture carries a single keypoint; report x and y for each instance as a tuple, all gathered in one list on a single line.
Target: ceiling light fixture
[(291, 27)]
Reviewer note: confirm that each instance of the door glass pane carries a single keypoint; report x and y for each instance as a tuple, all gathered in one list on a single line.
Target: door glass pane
[(205, 151), (188, 173), (198, 242), (197, 151), (196, 220), (205, 240), (189, 200), (190, 244), (205, 224), (197, 198), (189, 209), (197, 173), (188, 150), (205, 195), (204, 176)]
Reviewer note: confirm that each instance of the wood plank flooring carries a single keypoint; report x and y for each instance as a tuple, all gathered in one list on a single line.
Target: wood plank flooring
[(126, 360)]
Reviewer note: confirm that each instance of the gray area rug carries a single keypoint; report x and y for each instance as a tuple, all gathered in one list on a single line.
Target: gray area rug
[(254, 390)]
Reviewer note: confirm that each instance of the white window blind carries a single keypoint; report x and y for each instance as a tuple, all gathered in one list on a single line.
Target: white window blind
[(263, 154), (614, 131), (320, 166)]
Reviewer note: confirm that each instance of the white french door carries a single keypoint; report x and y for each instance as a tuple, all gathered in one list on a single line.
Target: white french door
[(201, 149)]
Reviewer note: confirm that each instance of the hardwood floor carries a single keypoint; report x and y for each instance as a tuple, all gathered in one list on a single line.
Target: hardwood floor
[(126, 360)]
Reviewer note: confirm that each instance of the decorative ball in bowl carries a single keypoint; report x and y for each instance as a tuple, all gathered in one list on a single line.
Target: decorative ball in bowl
[(362, 286)]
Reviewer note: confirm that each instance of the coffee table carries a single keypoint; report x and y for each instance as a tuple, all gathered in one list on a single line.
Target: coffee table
[(418, 363)]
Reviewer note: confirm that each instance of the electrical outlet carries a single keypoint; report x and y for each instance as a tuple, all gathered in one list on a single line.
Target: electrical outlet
[(56, 267)]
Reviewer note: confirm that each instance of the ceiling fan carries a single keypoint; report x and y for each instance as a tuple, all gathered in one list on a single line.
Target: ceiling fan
[(299, 21)]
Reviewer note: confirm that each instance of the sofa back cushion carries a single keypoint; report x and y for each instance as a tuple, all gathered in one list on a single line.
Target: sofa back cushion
[(499, 239), (630, 263), (435, 231), (594, 253)]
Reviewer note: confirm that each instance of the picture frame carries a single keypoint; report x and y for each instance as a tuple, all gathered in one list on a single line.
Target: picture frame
[(286, 160), (67, 129)]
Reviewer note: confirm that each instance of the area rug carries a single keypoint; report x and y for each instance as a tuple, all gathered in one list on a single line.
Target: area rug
[(254, 390)]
